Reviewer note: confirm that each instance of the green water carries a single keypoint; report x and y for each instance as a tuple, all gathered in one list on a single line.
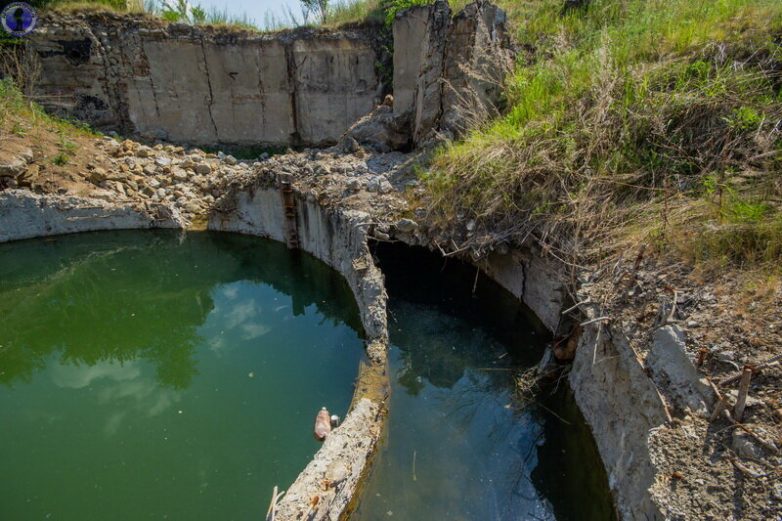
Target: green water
[(460, 446), (150, 375)]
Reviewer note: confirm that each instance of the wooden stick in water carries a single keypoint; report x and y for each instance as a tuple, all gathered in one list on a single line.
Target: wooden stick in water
[(272, 512)]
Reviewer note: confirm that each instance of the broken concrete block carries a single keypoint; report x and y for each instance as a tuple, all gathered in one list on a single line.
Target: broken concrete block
[(674, 372)]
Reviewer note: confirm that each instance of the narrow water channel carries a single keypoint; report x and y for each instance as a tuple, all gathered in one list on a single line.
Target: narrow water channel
[(460, 446), (153, 375)]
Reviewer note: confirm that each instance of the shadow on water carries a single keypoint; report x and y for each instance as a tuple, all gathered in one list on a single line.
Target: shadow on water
[(155, 375), (459, 445)]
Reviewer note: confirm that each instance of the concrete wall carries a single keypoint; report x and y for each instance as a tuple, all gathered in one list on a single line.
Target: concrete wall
[(448, 71), (24, 215), (533, 279), (623, 407), (204, 86)]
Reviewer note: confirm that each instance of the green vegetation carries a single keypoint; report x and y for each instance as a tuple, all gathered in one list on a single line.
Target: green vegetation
[(392, 7), (313, 12), (19, 116), (630, 121), (168, 10), (61, 159), (354, 11), (121, 6)]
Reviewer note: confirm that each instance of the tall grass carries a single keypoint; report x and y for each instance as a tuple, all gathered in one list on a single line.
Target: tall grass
[(188, 13), (618, 116), (338, 12), (354, 11)]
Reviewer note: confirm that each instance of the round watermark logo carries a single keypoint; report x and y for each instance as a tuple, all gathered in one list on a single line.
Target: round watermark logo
[(18, 18)]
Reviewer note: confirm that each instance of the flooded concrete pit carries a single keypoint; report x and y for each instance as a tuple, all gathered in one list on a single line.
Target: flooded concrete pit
[(341, 240), (183, 369), (345, 206)]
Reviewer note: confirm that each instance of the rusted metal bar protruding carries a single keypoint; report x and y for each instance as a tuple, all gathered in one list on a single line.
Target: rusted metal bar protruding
[(289, 208)]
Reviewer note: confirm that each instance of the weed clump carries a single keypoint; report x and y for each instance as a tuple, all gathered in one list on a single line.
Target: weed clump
[(628, 122)]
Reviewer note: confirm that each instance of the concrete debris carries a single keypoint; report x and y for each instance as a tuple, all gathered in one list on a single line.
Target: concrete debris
[(673, 370), (745, 446), (406, 225)]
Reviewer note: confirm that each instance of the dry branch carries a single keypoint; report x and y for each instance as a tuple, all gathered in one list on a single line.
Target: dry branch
[(272, 511), (755, 369)]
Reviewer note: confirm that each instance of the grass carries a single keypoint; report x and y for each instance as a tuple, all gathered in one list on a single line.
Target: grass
[(634, 121), (119, 6), (350, 12), (198, 15), (20, 117), (340, 13)]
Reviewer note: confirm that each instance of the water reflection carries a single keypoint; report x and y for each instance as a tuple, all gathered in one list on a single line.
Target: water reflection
[(459, 447), (53, 297), (153, 376)]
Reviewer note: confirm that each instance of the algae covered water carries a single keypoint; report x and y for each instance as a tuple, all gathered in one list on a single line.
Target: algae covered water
[(153, 375), (460, 446)]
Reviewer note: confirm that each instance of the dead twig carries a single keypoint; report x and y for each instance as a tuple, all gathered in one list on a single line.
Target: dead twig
[(746, 470), (414, 476), (574, 306), (741, 400), (598, 319), (755, 369), (722, 403), (597, 341), (760, 439), (451, 253), (671, 315)]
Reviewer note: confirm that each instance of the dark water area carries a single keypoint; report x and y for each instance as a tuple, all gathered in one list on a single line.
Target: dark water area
[(155, 375), (460, 445)]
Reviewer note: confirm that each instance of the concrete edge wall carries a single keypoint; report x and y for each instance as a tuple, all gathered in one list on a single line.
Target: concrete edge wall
[(25, 215), (618, 400)]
